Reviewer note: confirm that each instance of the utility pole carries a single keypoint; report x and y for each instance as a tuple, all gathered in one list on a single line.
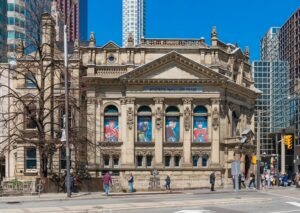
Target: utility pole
[(258, 150), (66, 75)]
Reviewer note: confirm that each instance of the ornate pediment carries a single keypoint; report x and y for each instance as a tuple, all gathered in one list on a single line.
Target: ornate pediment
[(173, 66), (111, 45)]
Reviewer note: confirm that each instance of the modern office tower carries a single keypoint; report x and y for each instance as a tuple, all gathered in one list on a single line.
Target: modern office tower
[(15, 25), (77, 22), (3, 27), (134, 18), (262, 73), (269, 47), (289, 49)]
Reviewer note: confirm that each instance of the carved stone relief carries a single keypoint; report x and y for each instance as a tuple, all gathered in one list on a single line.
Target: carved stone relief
[(130, 117), (215, 118), (158, 100), (187, 100), (187, 119), (158, 118)]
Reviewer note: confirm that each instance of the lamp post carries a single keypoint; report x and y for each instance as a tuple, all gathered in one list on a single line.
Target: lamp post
[(12, 65), (66, 78), (258, 149)]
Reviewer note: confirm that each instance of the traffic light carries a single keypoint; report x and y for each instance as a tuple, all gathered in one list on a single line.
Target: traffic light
[(288, 141)]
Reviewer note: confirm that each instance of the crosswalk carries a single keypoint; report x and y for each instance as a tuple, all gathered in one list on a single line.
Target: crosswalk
[(194, 211), (294, 203)]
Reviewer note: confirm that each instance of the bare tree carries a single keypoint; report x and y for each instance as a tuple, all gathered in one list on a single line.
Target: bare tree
[(36, 94)]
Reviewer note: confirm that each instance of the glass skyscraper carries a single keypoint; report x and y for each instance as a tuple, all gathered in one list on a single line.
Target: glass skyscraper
[(134, 14), (15, 25), (271, 77), (3, 27)]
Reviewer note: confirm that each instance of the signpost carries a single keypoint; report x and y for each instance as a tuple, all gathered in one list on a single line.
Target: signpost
[(235, 172)]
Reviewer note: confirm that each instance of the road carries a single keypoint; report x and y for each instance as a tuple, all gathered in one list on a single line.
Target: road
[(282, 200)]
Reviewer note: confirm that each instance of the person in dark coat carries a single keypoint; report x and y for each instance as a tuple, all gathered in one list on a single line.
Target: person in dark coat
[(168, 183), (212, 179)]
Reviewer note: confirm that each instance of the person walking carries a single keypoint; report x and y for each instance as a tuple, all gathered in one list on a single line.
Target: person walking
[(243, 180), (168, 183), (252, 180), (107, 181), (130, 183), (212, 179)]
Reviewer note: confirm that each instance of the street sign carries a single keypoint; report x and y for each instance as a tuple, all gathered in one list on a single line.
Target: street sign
[(235, 167)]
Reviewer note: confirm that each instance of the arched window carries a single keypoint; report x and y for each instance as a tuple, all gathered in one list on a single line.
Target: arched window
[(200, 132), (195, 160), (144, 124), (172, 128), (30, 116), (177, 160), (111, 124), (205, 160)]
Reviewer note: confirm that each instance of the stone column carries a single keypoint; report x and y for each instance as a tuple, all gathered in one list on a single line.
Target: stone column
[(187, 136), (99, 127), (128, 125), (158, 133), (215, 125), (91, 127)]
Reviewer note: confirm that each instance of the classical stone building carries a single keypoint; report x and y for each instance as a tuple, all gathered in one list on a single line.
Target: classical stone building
[(168, 106), (172, 105)]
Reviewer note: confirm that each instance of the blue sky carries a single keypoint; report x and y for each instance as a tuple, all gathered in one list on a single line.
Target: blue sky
[(238, 21)]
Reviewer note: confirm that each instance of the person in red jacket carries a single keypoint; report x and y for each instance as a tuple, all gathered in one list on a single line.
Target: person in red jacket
[(107, 181)]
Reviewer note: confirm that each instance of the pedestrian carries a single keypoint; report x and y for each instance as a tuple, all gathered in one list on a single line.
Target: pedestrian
[(252, 180), (297, 179), (263, 180), (212, 180), (243, 180), (75, 181), (168, 183), (107, 181), (130, 183)]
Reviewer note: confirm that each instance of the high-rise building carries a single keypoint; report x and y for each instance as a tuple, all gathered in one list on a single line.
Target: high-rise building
[(77, 14), (15, 24), (3, 27), (271, 77), (134, 18), (289, 49), (269, 47)]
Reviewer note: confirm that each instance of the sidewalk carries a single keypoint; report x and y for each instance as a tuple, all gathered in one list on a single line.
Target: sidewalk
[(100, 195)]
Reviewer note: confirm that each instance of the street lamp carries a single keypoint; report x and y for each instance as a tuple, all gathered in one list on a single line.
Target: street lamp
[(12, 65), (66, 78)]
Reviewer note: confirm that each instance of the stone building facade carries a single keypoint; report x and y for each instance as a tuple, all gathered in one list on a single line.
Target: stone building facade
[(178, 107), (174, 107)]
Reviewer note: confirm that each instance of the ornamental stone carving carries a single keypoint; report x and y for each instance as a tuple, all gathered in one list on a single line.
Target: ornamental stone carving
[(129, 100), (187, 100), (158, 100), (215, 118), (215, 101), (187, 119), (158, 118), (130, 117), (123, 101)]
